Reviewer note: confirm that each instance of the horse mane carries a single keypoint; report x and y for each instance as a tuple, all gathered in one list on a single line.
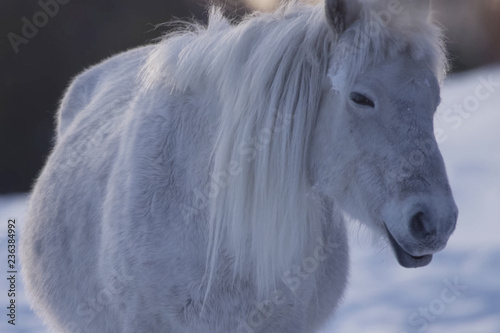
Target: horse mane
[(267, 75)]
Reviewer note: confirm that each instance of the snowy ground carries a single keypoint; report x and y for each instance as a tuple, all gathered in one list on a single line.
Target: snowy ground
[(459, 292)]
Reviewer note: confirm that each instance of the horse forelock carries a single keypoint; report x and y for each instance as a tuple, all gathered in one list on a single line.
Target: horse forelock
[(379, 35)]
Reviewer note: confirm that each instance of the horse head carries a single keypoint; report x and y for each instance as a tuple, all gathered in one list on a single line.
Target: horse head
[(374, 150)]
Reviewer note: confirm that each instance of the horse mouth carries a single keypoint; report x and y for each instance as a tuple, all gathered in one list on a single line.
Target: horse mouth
[(404, 258)]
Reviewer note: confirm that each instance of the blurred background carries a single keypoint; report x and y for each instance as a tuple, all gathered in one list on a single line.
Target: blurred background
[(45, 43)]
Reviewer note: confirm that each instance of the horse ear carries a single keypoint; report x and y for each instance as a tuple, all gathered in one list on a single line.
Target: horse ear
[(340, 14)]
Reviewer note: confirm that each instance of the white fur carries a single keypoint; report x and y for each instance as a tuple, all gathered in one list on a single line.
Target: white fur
[(198, 185)]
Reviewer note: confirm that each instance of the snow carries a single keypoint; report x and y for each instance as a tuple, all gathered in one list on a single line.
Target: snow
[(458, 292)]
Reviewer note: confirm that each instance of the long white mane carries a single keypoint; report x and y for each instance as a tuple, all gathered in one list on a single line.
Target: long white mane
[(267, 77)]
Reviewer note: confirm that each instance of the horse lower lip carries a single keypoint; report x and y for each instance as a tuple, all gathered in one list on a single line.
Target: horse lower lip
[(417, 258), (404, 258)]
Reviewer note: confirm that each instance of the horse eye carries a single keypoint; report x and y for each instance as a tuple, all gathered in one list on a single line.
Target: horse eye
[(361, 100)]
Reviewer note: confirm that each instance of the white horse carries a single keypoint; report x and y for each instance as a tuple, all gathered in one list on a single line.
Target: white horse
[(200, 185)]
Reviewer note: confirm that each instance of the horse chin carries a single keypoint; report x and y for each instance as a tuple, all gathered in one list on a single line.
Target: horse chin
[(405, 259)]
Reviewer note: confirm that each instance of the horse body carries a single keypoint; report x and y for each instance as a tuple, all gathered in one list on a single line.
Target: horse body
[(124, 230), (122, 221)]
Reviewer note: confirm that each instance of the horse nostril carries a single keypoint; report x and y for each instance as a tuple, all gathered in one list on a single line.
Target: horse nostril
[(418, 226)]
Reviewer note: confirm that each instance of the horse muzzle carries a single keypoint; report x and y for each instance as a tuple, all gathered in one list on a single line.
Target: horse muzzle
[(422, 229)]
